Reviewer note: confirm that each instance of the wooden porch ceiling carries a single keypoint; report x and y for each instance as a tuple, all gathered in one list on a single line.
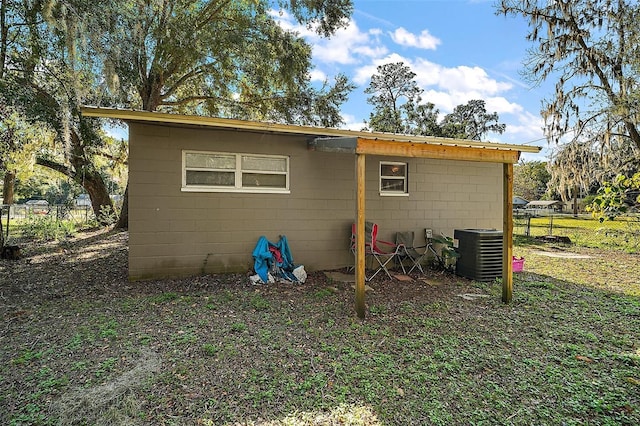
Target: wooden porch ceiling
[(508, 154)]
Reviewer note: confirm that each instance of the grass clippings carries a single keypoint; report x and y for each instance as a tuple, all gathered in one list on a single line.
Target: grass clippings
[(80, 344), (114, 402)]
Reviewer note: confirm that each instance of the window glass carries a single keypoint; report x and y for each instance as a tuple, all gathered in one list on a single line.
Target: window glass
[(393, 178), (394, 185), (269, 164), (198, 177), (212, 171), (210, 161), (393, 170), (257, 180)]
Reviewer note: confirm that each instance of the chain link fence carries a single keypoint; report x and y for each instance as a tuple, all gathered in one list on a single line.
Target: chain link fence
[(80, 214), (583, 230), (18, 220)]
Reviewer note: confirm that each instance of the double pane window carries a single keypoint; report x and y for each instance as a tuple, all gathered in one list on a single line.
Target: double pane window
[(393, 178), (215, 171)]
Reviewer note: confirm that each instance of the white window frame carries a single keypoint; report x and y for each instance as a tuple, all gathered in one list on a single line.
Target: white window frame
[(238, 174), (405, 178)]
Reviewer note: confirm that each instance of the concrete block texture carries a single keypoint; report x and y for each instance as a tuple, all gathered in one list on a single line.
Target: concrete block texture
[(176, 233)]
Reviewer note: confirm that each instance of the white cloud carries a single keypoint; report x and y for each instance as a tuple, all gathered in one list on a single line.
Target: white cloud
[(317, 75), (348, 46), (423, 41), (362, 74), (352, 123), (502, 105), (444, 101), (475, 78), (461, 79), (526, 128)]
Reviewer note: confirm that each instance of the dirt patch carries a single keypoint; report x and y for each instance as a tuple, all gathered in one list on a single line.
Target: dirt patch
[(562, 254), (114, 402)]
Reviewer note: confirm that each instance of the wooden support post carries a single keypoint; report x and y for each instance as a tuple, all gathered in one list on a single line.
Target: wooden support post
[(507, 233), (360, 218)]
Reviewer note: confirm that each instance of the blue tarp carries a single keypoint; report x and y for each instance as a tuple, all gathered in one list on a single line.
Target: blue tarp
[(275, 258)]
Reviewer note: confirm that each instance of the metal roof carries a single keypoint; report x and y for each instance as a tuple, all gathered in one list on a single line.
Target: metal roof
[(319, 132), (544, 203)]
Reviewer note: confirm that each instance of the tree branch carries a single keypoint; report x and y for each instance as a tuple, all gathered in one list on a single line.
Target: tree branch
[(61, 168)]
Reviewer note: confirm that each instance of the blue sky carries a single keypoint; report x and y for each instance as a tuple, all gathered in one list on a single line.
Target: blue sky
[(459, 49)]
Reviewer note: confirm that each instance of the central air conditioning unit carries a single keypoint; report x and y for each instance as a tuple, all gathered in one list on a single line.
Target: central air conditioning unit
[(480, 253)]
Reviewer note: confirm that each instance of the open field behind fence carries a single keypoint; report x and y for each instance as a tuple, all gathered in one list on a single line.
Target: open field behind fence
[(584, 231)]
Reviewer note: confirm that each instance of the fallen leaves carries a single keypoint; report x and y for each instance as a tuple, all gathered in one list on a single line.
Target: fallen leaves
[(633, 381)]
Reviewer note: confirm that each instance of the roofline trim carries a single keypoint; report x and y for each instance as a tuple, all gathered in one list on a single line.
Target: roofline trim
[(195, 120)]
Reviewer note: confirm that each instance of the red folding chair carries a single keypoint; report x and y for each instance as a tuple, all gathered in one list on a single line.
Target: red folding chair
[(372, 249)]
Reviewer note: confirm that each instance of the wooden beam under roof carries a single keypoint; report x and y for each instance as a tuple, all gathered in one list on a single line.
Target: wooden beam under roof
[(441, 151), (437, 151)]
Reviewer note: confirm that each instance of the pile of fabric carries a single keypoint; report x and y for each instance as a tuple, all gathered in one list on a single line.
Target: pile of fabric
[(274, 262)]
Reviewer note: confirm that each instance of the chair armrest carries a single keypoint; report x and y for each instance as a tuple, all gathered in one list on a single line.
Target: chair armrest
[(396, 247)]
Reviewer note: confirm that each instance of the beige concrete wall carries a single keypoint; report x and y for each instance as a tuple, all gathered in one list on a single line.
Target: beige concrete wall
[(175, 233)]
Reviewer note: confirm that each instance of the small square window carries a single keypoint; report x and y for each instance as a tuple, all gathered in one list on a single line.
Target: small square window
[(393, 178)]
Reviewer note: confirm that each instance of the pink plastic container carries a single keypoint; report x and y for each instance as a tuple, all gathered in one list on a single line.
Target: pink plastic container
[(518, 264)]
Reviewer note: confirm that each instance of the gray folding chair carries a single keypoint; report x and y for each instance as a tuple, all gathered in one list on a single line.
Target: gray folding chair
[(408, 252)]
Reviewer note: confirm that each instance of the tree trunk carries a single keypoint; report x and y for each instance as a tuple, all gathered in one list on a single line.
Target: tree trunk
[(8, 187), (90, 180), (123, 220), (99, 195), (575, 201), (633, 133)]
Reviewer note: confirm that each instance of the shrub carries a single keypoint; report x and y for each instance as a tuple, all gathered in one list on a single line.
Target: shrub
[(47, 228)]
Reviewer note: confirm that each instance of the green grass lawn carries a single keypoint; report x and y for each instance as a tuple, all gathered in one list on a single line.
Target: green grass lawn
[(88, 347), (621, 234)]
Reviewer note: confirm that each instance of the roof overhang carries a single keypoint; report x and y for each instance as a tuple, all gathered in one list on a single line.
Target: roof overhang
[(340, 140)]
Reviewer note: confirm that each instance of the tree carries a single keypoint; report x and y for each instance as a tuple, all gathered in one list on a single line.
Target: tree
[(8, 147), (19, 141), (398, 108), (11, 32), (591, 49), (47, 78), (615, 197), (422, 118), (471, 121), (216, 57), (530, 179), (221, 58), (581, 166), (394, 93)]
